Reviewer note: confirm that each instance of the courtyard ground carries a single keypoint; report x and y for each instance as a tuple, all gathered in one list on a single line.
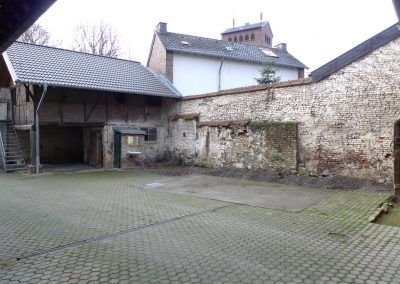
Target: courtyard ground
[(139, 226)]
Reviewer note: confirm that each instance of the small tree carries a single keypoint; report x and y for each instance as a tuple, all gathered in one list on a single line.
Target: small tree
[(268, 75), (98, 39), (36, 34)]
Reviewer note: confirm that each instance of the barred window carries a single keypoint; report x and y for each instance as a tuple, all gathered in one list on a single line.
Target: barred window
[(151, 133)]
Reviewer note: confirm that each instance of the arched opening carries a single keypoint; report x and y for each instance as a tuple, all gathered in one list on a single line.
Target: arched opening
[(240, 38), (246, 37), (396, 178)]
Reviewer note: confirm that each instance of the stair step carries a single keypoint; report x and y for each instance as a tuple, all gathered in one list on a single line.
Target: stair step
[(14, 158), (16, 169), (13, 167), (14, 154), (14, 163)]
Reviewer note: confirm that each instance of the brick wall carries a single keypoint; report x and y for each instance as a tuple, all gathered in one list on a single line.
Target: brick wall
[(345, 122)]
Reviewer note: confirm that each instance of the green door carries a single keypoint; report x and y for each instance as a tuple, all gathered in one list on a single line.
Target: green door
[(117, 150)]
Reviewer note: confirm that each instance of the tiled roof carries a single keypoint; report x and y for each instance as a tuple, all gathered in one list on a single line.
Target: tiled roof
[(194, 45), (244, 28), (41, 65), (356, 53)]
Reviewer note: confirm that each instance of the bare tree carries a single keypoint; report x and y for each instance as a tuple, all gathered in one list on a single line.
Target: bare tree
[(99, 39), (35, 34)]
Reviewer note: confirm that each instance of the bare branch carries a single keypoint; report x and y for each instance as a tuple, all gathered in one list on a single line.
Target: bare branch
[(35, 34), (98, 39)]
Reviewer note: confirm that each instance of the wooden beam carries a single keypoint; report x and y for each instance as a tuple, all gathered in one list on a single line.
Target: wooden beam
[(29, 92), (124, 116), (106, 105), (84, 107), (93, 107)]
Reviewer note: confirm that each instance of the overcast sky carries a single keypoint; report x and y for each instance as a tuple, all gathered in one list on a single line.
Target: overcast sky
[(316, 31)]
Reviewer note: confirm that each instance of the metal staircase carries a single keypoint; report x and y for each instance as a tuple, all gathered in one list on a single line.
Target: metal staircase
[(12, 157)]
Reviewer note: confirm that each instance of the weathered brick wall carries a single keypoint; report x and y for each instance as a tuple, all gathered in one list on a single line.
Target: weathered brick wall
[(160, 60), (345, 122), (264, 145)]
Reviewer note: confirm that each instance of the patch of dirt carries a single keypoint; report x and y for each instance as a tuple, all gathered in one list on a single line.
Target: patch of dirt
[(329, 182), (392, 218)]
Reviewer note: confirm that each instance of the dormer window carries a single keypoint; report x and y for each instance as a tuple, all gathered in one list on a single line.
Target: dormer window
[(268, 52), (185, 42)]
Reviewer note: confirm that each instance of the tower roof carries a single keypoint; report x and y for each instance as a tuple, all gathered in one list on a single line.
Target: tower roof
[(245, 28)]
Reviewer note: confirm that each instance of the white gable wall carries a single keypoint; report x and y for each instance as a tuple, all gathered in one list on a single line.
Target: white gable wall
[(194, 75)]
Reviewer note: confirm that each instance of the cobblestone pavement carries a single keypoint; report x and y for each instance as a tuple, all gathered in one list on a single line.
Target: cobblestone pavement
[(104, 227)]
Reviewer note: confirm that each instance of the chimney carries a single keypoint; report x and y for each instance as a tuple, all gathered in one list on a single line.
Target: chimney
[(282, 46), (162, 27)]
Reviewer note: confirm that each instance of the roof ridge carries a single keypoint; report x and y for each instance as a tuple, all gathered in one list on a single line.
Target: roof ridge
[(75, 51), (229, 42), (246, 26)]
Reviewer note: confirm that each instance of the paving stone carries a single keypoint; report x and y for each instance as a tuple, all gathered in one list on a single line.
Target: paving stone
[(184, 239)]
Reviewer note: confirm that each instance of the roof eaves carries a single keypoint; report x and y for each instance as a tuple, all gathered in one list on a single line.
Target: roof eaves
[(151, 49), (10, 67), (169, 85), (233, 58), (76, 86), (356, 53), (396, 4), (40, 8)]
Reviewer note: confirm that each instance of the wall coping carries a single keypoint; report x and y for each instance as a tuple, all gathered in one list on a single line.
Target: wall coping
[(250, 89)]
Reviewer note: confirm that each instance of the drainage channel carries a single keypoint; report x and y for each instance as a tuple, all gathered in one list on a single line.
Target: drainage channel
[(113, 235)]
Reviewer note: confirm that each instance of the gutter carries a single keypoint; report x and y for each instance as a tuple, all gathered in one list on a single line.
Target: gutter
[(219, 75), (37, 138)]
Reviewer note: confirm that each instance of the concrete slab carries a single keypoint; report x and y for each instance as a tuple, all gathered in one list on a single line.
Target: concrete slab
[(261, 194)]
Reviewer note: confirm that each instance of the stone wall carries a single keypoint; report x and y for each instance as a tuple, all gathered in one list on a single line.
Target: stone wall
[(264, 145), (345, 122)]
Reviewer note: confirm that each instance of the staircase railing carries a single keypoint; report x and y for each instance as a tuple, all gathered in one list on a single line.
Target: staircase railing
[(2, 151)]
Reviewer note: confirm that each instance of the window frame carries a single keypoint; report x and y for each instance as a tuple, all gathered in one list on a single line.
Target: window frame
[(150, 137)]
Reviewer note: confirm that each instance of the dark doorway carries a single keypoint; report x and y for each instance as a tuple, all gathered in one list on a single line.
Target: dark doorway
[(117, 149), (397, 159), (61, 144)]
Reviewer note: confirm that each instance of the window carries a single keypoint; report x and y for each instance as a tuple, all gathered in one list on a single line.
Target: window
[(246, 37), (240, 38), (151, 134), (235, 39), (252, 37), (230, 39), (265, 36)]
